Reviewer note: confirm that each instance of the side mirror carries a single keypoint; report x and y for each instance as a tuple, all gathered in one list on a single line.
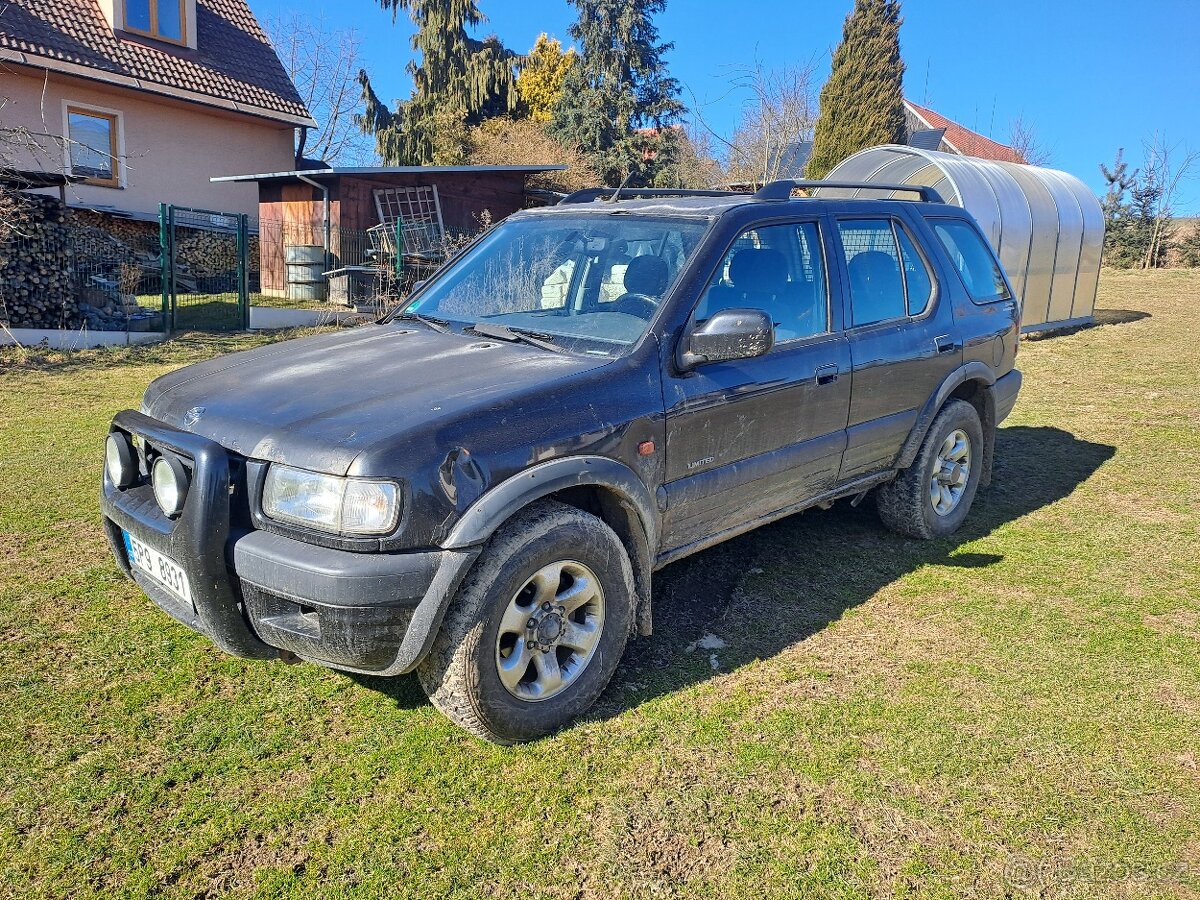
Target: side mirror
[(728, 335)]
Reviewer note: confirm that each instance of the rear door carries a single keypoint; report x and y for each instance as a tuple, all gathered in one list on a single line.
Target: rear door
[(748, 438), (901, 331)]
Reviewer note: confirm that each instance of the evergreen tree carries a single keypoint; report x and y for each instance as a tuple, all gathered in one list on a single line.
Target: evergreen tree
[(1134, 237), (540, 82), (862, 103), (1119, 182), (617, 101), (459, 82)]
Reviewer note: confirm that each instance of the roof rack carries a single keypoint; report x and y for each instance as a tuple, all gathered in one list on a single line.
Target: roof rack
[(587, 195), (782, 190)]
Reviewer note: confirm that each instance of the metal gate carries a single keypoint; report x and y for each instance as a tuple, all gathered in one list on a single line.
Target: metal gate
[(205, 262)]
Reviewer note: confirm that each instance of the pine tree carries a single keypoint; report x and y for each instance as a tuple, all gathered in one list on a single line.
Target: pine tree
[(862, 103), (459, 82), (540, 82), (1119, 182), (618, 99), (1133, 233)]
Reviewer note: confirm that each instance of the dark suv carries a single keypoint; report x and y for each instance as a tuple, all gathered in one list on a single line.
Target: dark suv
[(479, 487)]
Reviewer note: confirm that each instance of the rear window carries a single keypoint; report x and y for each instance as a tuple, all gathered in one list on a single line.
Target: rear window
[(974, 260)]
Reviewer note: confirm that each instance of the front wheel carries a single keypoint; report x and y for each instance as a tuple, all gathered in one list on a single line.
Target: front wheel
[(536, 630), (932, 497)]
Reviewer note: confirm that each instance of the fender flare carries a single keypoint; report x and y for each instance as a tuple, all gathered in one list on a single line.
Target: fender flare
[(971, 371), (497, 505), (465, 542)]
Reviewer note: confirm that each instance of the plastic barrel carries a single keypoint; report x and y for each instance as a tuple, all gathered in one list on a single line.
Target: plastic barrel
[(305, 267)]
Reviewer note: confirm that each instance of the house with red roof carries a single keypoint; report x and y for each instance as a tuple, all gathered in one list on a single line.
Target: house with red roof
[(931, 130), (139, 102)]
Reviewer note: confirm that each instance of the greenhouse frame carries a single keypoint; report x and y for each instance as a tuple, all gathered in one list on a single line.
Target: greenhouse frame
[(1046, 225)]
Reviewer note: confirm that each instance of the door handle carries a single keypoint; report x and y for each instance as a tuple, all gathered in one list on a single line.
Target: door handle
[(827, 374), (945, 344)]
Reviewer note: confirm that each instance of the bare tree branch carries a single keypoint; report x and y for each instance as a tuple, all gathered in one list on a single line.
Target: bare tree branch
[(324, 66), (1168, 166), (780, 111), (1024, 140)]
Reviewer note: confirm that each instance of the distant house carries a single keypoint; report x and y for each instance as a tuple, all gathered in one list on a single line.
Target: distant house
[(930, 130), (926, 130), (143, 101)]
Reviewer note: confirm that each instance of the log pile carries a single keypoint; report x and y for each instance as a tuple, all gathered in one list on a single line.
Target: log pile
[(67, 269), (72, 268), (210, 254), (36, 289), (129, 231)]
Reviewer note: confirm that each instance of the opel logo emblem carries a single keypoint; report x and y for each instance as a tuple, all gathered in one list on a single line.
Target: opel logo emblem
[(192, 416)]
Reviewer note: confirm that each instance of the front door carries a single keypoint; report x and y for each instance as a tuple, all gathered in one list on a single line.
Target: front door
[(749, 438)]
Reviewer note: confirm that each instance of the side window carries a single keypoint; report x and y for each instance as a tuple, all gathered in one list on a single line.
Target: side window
[(974, 260), (873, 264), (779, 269), (917, 282)]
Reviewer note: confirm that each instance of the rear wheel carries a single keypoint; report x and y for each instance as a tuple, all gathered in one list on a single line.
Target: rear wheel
[(932, 497), (537, 628)]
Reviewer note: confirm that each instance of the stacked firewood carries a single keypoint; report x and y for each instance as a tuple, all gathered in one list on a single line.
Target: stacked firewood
[(206, 253), (36, 285)]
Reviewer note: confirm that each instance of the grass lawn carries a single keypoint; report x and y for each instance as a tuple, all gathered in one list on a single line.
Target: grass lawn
[(199, 310), (1013, 712)]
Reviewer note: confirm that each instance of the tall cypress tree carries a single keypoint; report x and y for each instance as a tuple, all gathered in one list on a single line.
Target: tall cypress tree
[(617, 99), (459, 82), (862, 103)]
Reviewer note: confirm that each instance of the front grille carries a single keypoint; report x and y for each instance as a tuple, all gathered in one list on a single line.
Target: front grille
[(239, 494)]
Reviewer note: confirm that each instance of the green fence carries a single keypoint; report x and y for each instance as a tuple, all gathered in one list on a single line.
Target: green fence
[(197, 270), (205, 260)]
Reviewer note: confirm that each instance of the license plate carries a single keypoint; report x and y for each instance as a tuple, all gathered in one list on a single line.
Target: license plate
[(163, 570)]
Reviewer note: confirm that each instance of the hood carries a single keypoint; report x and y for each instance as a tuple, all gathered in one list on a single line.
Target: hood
[(319, 402)]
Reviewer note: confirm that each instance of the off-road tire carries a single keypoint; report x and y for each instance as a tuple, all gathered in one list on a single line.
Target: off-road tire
[(459, 674), (904, 504)]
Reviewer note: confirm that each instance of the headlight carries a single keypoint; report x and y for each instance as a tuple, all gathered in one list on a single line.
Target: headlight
[(329, 503), (170, 481), (119, 460)]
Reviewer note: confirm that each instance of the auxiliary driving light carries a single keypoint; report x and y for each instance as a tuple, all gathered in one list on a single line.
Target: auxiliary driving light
[(170, 480), (119, 460)]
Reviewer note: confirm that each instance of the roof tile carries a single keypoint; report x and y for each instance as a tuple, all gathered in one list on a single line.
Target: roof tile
[(233, 61), (965, 140)]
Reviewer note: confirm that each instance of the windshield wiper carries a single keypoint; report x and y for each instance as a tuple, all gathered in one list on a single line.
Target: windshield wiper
[(508, 333), (431, 321)]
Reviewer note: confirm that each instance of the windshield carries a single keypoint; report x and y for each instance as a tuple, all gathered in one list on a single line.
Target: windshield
[(588, 283)]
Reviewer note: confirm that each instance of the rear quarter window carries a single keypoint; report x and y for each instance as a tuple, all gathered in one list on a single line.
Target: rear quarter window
[(973, 258)]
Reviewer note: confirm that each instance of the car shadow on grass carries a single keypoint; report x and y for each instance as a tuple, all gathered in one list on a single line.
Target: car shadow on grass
[(830, 561)]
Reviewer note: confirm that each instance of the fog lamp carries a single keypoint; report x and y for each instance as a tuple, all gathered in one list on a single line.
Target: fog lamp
[(119, 460), (170, 481)]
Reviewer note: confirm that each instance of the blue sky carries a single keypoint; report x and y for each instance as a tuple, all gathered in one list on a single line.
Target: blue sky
[(1088, 76)]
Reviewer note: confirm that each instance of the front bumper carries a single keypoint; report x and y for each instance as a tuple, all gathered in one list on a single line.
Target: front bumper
[(255, 593)]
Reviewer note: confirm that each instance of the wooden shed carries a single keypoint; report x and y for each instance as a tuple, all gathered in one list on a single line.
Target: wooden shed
[(340, 211)]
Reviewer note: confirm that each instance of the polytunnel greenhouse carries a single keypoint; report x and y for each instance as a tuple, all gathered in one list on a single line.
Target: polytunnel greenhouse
[(1046, 225)]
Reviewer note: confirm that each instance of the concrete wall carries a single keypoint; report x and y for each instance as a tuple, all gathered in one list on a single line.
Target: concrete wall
[(78, 339), (169, 148)]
